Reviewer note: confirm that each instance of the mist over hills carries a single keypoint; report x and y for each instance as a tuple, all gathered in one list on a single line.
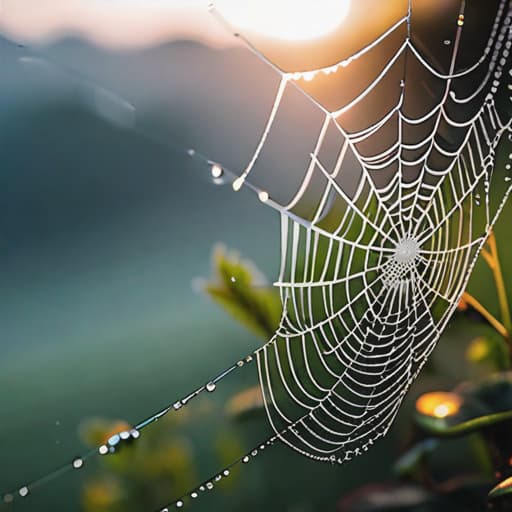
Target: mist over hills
[(96, 188), (177, 95)]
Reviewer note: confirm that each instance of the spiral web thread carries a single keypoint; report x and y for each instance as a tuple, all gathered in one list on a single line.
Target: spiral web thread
[(371, 275)]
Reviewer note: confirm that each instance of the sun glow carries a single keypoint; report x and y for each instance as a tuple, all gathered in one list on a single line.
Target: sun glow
[(293, 20)]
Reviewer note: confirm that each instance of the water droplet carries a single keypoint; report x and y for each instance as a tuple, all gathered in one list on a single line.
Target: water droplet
[(202, 488), (194, 495), (210, 387), (217, 478), (233, 279), (177, 405), (209, 486), (114, 440), (254, 453), (240, 364), (447, 42), (135, 433), (103, 449), (508, 178), (23, 491), (78, 463), (191, 152), (179, 504), (237, 184), (309, 76), (216, 171), (124, 435), (226, 472), (246, 459), (263, 196), (248, 359)]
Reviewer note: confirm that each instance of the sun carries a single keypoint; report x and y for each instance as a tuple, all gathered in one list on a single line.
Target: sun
[(291, 20)]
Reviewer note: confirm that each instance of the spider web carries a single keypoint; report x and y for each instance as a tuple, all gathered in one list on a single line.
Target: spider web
[(372, 272), (405, 179)]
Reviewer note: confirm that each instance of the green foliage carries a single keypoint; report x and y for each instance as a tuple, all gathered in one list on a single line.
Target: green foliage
[(482, 405), (142, 475), (238, 287), (489, 350), (408, 462), (162, 463)]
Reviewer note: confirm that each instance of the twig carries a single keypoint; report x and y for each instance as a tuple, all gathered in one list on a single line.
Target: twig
[(493, 321), (493, 261)]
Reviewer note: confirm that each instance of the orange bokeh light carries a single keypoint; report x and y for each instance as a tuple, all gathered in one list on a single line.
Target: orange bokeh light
[(438, 404)]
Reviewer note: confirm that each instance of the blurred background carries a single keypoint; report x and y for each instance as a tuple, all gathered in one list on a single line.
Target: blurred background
[(106, 223)]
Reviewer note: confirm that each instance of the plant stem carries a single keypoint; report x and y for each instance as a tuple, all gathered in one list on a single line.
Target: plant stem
[(494, 263), (493, 321)]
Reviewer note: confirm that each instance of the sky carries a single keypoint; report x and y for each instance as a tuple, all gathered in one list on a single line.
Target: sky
[(112, 23), (135, 23)]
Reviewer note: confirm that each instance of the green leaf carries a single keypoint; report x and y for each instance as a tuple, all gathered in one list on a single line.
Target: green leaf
[(410, 460), (504, 488), (238, 286)]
